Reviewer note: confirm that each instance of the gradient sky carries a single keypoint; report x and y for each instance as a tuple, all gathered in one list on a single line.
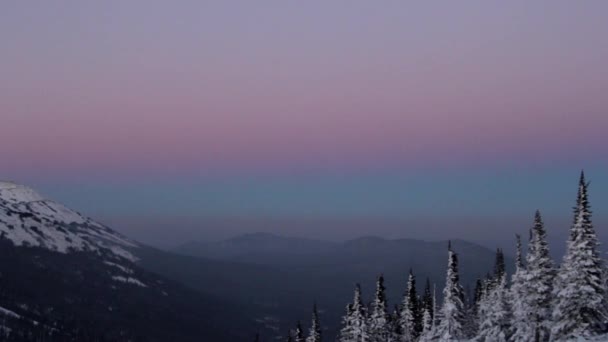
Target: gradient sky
[(305, 110)]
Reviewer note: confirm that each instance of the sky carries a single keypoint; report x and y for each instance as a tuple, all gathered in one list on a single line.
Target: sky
[(204, 119)]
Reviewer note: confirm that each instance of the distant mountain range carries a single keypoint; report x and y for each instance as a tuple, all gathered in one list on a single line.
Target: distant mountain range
[(64, 274), (325, 272)]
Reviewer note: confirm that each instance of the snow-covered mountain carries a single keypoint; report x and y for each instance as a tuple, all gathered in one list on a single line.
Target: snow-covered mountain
[(65, 277), (29, 219)]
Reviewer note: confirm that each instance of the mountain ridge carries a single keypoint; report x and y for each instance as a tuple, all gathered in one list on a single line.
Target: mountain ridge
[(66, 277)]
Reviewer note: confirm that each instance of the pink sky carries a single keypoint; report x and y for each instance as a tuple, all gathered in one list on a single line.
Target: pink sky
[(195, 86)]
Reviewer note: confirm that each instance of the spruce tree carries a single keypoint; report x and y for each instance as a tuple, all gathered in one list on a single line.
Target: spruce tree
[(427, 326), (414, 303), (407, 320), (427, 299), (354, 324), (580, 307), (396, 335), (314, 334), (520, 322), (495, 320), (299, 333), (499, 265), (539, 278), (451, 327), (378, 320)]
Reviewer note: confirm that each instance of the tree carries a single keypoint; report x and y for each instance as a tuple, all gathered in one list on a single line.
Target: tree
[(520, 322), (414, 303), (427, 299), (499, 265), (315, 329), (539, 278), (354, 325), (495, 321), (396, 334), (378, 321), (580, 304), (409, 317), (299, 333), (427, 326), (451, 326)]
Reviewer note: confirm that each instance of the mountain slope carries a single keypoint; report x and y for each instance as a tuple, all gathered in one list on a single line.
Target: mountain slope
[(28, 219), (65, 277)]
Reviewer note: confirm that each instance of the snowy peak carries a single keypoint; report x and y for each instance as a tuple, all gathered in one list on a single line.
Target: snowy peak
[(29, 219)]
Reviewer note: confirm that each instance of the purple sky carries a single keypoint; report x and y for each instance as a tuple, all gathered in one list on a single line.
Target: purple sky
[(116, 91)]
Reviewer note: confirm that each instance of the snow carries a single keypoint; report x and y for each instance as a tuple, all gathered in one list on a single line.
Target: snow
[(7, 312), (129, 280), (29, 219), (120, 267)]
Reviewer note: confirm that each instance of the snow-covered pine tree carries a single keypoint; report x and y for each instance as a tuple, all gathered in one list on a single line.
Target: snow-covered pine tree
[(314, 335), (499, 265), (521, 328), (415, 307), (406, 316), (410, 320), (427, 326), (451, 327), (427, 299), (539, 278), (299, 333), (496, 319), (378, 320), (346, 332), (580, 305), (354, 324), (395, 327)]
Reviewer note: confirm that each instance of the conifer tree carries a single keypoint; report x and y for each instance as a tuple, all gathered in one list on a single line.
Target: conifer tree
[(495, 325), (414, 303), (539, 278), (299, 333), (378, 320), (427, 326), (427, 298), (314, 334), (580, 308), (499, 265), (406, 316), (520, 322), (354, 324), (396, 335), (451, 326)]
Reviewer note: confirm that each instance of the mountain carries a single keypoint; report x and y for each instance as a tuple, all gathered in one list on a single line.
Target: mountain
[(28, 219), (65, 277), (325, 272), (64, 274), (259, 248)]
